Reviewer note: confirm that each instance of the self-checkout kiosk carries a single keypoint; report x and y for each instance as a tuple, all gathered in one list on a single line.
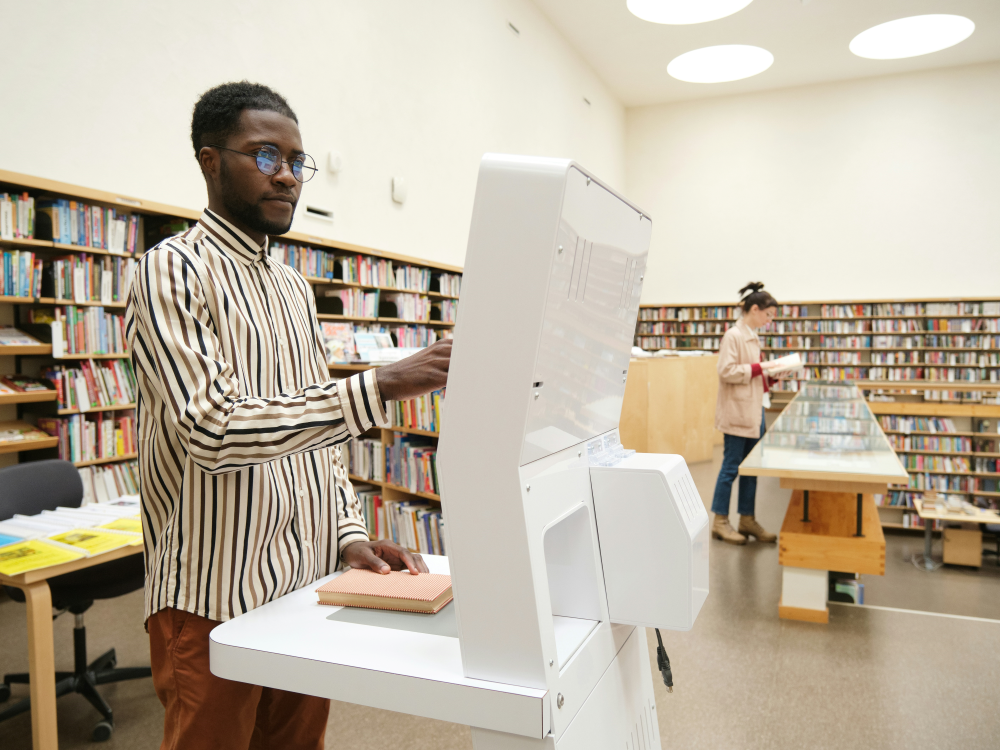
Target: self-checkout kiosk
[(562, 545)]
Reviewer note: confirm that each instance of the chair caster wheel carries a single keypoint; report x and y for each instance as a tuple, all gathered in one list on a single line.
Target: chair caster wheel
[(4, 692), (102, 732)]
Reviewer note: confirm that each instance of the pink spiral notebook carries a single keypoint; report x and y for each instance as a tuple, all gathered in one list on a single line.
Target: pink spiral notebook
[(399, 590)]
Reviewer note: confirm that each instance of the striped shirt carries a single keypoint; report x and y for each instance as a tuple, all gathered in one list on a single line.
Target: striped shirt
[(244, 493)]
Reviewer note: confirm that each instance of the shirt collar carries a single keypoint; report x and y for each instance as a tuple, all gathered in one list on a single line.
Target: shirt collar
[(231, 239), (749, 334)]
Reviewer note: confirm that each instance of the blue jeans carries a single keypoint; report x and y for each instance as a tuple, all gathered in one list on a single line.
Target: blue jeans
[(734, 450)]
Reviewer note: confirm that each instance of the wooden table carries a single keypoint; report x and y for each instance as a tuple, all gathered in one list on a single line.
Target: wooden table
[(41, 651), (926, 561), (829, 450)]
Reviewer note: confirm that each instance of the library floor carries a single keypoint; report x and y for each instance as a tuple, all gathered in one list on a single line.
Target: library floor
[(872, 678)]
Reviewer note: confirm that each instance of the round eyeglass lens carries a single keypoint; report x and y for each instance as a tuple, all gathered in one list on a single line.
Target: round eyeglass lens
[(303, 167), (268, 160)]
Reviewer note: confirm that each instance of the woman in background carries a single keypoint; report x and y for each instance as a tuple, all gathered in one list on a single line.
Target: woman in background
[(739, 413)]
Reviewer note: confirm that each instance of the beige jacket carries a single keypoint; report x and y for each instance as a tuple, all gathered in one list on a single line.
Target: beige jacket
[(741, 397)]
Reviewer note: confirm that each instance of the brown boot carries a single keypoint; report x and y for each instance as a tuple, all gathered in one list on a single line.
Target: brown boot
[(722, 530), (750, 527)]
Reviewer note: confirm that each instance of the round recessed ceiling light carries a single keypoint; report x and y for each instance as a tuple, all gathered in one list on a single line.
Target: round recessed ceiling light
[(680, 12), (726, 62), (909, 37)]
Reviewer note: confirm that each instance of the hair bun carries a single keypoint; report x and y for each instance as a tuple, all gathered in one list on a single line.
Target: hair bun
[(752, 288)]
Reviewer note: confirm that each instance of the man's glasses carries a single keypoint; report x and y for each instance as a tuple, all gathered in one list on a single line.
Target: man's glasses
[(269, 162)]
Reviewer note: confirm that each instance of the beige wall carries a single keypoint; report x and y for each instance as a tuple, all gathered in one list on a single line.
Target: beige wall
[(100, 94), (886, 187)]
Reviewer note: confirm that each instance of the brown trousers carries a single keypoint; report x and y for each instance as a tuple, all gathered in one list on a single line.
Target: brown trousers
[(205, 711)]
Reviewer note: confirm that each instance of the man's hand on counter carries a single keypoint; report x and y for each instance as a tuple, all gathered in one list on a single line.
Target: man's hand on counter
[(382, 556), (421, 373)]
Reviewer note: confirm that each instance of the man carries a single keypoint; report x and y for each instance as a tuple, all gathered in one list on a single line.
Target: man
[(244, 494)]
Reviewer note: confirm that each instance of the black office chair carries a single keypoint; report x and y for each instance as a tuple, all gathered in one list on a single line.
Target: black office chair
[(30, 488), (993, 530)]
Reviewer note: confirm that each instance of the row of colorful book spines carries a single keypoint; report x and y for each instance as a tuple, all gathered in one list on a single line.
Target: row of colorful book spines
[(94, 269), (63, 378), (956, 444), (17, 216), (920, 462), (412, 467), (22, 274), (422, 413), (387, 519), (82, 440), (81, 324), (77, 223), (124, 474), (929, 480)]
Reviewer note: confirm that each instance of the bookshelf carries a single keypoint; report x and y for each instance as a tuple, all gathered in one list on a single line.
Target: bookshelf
[(915, 359), (331, 267)]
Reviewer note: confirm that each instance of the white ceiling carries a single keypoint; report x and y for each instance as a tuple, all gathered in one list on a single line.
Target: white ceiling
[(808, 39)]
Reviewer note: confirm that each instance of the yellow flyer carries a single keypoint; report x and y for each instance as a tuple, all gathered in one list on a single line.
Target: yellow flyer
[(133, 525), (93, 541), (32, 555)]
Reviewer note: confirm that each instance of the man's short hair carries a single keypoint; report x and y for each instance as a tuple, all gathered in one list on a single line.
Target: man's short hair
[(217, 114)]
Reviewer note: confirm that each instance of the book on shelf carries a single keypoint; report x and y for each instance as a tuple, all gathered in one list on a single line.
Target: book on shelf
[(82, 330), (445, 310), (93, 384), (17, 216), (91, 437), (110, 482), (418, 526), (71, 222), (365, 458), (446, 283), (421, 413), (88, 278), (11, 336), (410, 307), (338, 340), (24, 384), (21, 274), (411, 462), (21, 433), (397, 590)]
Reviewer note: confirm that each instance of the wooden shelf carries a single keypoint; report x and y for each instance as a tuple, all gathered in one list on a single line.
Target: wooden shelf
[(27, 242), (413, 431), (30, 397), (34, 440), (388, 486), (94, 410), (126, 355), (61, 246), (992, 435), (984, 474), (89, 303), (399, 321), (355, 285), (17, 300), (946, 453), (28, 350), (111, 460)]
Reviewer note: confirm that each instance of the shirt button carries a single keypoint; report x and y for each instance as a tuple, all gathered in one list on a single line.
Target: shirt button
[(302, 493)]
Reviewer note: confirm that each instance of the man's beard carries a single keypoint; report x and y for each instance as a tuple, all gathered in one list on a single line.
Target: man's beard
[(249, 214)]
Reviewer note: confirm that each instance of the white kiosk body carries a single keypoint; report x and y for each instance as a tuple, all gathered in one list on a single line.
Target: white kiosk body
[(562, 547), (559, 543)]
